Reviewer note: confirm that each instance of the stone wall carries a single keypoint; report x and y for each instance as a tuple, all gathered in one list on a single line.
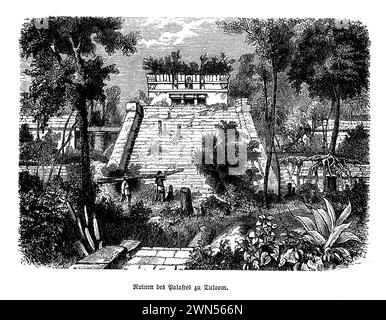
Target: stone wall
[(164, 86), (57, 125), (291, 174), (44, 173), (344, 128)]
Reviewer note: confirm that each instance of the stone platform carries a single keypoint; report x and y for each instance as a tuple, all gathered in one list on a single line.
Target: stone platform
[(158, 258), (130, 256)]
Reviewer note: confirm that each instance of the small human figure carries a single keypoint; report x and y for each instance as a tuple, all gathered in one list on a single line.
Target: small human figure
[(289, 194), (170, 195), (125, 191), (159, 181)]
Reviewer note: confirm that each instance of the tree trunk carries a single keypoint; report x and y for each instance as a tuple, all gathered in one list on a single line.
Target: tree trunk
[(87, 187), (62, 146), (278, 172), (335, 131), (271, 141)]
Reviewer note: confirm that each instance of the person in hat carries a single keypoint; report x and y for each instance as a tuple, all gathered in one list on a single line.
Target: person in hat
[(125, 191), (159, 181)]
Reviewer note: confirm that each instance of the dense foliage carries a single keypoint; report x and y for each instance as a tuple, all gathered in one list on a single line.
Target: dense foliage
[(244, 84), (38, 152), (320, 244), (46, 232), (333, 59), (173, 64), (65, 70), (106, 113), (356, 145)]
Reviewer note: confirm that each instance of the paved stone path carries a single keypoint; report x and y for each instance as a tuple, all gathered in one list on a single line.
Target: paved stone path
[(158, 258)]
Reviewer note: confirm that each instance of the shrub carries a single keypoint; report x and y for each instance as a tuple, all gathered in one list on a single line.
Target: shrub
[(46, 232), (358, 195), (225, 259), (173, 64), (356, 145), (28, 182), (309, 192), (74, 156), (259, 247), (38, 151), (114, 171), (329, 232)]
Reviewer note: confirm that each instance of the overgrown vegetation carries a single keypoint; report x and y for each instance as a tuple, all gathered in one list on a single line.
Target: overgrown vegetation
[(356, 145), (173, 64), (47, 234), (303, 73), (324, 242)]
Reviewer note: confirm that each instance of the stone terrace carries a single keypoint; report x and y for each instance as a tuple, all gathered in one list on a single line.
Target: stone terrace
[(158, 258), (129, 255)]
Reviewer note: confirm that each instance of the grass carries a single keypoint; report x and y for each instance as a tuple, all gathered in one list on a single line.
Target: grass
[(172, 229)]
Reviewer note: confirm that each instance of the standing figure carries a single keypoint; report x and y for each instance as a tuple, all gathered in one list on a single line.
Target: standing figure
[(159, 182), (125, 191), (170, 195)]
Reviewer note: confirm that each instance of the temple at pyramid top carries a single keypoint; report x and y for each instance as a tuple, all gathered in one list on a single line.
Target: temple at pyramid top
[(188, 89)]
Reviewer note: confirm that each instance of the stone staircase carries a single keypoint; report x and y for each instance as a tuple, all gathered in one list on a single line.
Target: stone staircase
[(168, 138), (127, 136)]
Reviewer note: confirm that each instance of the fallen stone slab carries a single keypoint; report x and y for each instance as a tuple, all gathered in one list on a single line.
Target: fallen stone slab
[(203, 237), (110, 256), (130, 245)]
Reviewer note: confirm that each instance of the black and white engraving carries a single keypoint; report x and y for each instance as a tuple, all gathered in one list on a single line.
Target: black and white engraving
[(194, 143)]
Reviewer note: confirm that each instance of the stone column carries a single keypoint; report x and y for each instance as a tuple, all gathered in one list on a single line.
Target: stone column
[(98, 140)]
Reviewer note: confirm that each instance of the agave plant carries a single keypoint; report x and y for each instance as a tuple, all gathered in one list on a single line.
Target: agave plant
[(329, 232)]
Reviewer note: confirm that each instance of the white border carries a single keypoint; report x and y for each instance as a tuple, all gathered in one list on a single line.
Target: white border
[(363, 281)]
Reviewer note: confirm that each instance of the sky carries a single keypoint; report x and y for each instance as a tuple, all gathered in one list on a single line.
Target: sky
[(160, 36)]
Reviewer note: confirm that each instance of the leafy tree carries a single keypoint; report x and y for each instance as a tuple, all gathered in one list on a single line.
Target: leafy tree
[(65, 70), (245, 84), (356, 145), (173, 64), (333, 59), (26, 147), (106, 112), (356, 108), (46, 233), (301, 116), (273, 41), (39, 151), (143, 98), (219, 171), (216, 65)]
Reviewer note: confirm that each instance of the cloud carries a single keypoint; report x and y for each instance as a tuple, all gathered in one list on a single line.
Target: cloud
[(188, 29)]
